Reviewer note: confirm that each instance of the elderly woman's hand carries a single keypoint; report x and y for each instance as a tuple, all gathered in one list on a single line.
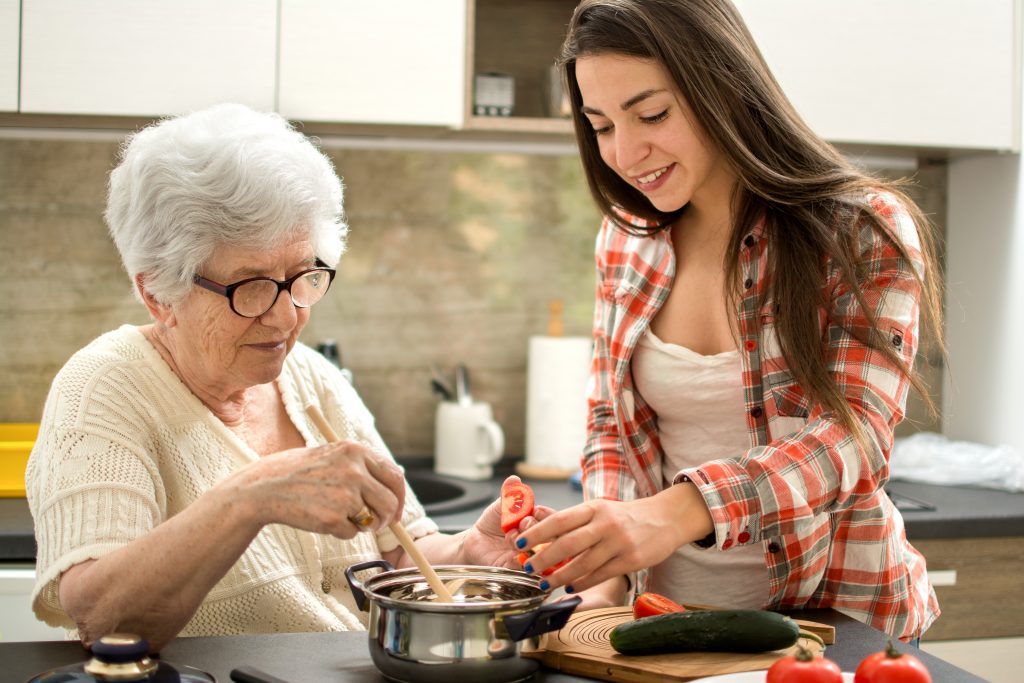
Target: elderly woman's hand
[(486, 544), (319, 489)]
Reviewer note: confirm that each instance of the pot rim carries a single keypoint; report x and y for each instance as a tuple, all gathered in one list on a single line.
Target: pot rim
[(405, 575)]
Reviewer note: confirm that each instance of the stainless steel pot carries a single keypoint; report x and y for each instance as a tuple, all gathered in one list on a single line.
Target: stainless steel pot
[(414, 639)]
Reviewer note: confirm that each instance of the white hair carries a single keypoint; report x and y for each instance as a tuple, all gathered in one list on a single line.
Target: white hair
[(226, 175)]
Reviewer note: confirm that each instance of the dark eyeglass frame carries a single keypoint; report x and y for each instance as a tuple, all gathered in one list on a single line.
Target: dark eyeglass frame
[(228, 291)]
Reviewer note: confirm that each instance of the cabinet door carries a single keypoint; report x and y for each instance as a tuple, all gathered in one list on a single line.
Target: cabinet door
[(158, 57), (902, 72), (10, 13), (17, 621), (387, 61), (984, 600)]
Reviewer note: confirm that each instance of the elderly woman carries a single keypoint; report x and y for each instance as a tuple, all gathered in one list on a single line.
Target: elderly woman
[(178, 484)]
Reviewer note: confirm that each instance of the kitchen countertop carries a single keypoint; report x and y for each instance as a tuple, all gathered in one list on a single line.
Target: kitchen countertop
[(333, 657), (958, 511)]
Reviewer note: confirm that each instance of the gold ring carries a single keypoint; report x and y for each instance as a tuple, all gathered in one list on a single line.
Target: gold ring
[(363, 519)]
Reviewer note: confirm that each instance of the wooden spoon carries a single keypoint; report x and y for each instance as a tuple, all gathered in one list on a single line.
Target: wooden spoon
[(404, 539)]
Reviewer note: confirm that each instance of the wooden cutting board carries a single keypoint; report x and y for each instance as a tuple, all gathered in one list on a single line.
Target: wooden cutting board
[(582, 648)]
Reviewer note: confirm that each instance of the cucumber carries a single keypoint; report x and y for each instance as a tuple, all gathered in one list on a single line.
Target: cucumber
[(731, 630)]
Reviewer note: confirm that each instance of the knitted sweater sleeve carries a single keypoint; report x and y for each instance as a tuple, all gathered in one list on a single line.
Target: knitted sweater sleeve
[(92, 487)]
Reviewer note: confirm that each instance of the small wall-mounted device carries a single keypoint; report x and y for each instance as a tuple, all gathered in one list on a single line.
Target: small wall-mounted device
[(494, 94)]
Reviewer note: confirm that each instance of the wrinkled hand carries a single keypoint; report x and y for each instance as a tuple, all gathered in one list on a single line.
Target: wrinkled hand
[(318, 489), (606, 538), (487, 545)]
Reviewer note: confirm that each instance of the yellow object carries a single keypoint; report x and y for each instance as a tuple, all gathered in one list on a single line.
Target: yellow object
[(16, 441)]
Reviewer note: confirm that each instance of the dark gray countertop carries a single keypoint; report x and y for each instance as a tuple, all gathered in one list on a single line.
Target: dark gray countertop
[(949, 511), (333, 657)]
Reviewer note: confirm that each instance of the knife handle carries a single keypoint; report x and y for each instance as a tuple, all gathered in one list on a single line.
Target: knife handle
[(247, 674)]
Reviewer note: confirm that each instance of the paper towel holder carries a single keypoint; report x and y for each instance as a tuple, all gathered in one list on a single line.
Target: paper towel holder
[(556, 326), (551, 444)]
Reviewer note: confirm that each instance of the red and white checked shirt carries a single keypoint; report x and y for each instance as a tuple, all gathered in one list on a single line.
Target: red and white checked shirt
[(812, 498)]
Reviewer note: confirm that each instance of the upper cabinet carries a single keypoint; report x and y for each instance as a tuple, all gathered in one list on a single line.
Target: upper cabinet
[(921, 73), (10, 12), (152, 58), (927, 73), (906, 73), (386, 61)]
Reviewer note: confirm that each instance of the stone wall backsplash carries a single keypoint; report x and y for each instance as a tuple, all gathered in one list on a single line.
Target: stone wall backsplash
[(454, 257)]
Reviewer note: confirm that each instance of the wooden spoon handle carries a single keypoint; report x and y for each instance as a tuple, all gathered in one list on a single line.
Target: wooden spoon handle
[(404, 539), (436, 584)]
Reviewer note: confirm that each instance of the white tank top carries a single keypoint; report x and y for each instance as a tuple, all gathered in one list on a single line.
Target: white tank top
[(699, 403)]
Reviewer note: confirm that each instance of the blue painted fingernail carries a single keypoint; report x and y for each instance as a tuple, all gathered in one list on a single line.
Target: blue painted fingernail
[(528, 568), (520, 543), (544, 585), (570, 589)]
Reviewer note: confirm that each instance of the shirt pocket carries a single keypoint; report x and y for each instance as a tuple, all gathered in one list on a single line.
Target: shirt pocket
[(779, 384)]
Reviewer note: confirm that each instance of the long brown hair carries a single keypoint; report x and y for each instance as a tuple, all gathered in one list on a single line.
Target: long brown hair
[(811, 199)]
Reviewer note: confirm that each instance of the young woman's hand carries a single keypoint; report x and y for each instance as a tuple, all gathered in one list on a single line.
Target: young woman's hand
[(605, 539)]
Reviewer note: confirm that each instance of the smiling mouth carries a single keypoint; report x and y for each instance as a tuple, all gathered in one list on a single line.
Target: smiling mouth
[(651, 177), (268, 346)]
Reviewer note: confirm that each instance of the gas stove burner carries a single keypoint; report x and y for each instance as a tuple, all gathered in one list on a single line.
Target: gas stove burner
[(123, 657)]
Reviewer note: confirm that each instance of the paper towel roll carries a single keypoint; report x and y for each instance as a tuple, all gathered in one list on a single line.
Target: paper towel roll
[(556, 402)]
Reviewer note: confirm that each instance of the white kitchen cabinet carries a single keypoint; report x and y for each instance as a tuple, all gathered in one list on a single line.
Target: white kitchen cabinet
[(10, 20), (387, 61), (159, 57), (17, 621), (928, 73)]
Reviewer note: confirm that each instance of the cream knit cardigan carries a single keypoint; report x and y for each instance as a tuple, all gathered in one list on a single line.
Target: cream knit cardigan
[(124, 445)]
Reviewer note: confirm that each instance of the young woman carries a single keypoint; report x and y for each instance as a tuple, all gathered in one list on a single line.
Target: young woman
[(757, 318)]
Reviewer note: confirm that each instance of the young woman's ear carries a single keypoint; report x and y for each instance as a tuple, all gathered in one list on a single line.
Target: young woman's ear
[(160, 312)]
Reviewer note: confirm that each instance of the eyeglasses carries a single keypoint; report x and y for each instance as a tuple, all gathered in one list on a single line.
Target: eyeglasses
[(254, 296)]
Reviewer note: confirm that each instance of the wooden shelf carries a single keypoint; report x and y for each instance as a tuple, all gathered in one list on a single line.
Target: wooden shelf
[(520, 124)]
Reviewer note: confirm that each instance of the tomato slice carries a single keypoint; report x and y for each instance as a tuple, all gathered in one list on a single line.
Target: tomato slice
[(516, 504), (525, 556), (652, 604)]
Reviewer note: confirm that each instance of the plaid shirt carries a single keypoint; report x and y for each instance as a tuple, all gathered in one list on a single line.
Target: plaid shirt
[(812, 498)]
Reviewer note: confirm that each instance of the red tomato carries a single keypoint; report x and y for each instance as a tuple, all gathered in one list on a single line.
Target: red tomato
[(516, 504), (804, 667), (891, 666), (652, 604)]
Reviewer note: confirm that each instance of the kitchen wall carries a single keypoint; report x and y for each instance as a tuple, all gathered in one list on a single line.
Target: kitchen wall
[(454, 256)]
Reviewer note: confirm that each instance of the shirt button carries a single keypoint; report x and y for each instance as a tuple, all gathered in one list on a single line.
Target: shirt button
[(748, 283), (743, 537), (773, 547), (748, 240), (756, 412), (750, 345), (727, 543)]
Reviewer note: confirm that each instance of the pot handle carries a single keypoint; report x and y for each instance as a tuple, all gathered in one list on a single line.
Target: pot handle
[(550, 617), (356, 585)]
